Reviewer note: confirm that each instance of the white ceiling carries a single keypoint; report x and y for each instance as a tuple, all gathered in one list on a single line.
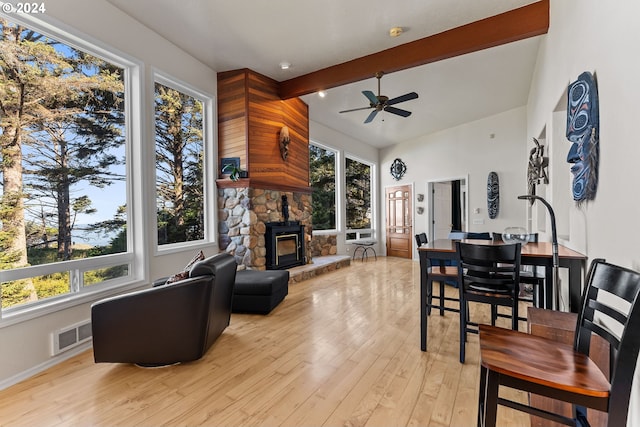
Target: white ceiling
[(313, 35)]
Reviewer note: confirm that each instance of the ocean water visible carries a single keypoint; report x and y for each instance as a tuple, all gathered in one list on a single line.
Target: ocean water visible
[(91, 238)]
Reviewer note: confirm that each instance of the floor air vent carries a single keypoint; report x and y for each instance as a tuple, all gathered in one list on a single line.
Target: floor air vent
[(71, 336)]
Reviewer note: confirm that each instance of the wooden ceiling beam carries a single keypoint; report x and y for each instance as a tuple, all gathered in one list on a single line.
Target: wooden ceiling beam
[(518, 24)]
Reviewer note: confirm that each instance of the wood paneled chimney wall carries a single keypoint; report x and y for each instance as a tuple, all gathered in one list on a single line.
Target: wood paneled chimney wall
[(250, 116)]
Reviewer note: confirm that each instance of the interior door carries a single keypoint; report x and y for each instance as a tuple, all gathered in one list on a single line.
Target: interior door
[(399, 228), (441, 202)]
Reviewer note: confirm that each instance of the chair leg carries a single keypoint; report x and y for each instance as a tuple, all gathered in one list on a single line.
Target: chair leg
[(466, 320), (491, 399), (442, 298), (494, 314), (425, 319), (429, 296), (463, 330), (481, 394), (514, 316)]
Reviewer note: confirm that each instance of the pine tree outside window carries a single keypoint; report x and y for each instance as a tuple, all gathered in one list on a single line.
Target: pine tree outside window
[(180, 137), (64, 151), (359, 206), (322, 177)]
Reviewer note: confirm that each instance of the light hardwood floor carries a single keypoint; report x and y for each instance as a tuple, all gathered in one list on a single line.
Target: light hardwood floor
[(343, 349)]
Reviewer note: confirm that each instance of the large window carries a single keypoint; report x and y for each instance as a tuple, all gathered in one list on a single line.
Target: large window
[(180, 156), (358, 176), (322, 177), (63, 142)]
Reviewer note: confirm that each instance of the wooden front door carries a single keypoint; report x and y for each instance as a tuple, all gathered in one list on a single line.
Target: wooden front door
[(399, 229)]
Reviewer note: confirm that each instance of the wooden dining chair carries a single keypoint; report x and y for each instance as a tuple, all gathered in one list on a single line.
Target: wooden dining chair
[(488, 274), (611, 310)]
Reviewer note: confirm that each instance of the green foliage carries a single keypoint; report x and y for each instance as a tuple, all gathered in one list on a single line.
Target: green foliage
[(62, 126), (8, 257), (322, 178), (232, 170), (62, 123), (51, 285), (358, 177), (17, 292), (98, 276), (179, 167), (14, 293), (118, 224)]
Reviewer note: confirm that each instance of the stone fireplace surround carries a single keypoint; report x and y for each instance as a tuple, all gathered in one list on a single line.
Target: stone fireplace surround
[(242, 214)]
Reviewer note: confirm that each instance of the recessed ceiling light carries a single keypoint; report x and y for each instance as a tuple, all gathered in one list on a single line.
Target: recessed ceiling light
[(322, 94), (396, 31), (285, 65)]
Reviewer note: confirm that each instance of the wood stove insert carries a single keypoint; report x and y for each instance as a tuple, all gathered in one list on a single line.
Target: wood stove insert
[(285, 245)]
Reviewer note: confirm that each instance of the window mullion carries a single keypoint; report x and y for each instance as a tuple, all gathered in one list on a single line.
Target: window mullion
[(76, 277)]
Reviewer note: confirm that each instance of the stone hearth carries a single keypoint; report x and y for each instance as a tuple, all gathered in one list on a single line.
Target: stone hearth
[(242, 214)]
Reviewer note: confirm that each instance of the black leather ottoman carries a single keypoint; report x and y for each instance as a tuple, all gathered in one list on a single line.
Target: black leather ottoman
[(259, 291)]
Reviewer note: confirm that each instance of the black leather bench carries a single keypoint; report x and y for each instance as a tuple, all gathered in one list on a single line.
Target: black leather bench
[(259, 291)]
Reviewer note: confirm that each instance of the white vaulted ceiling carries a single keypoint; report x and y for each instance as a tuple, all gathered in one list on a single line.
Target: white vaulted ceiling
[(313, 35)]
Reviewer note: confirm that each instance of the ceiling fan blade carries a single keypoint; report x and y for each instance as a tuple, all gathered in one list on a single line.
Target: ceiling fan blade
[(373, 99), (406, 97), (355, 109), (398, 111), (371, 116)]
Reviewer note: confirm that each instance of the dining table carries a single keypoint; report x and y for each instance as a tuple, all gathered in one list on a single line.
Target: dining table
[(438, 251)]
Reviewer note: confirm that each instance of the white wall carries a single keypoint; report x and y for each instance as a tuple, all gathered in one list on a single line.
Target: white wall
[(473, 149), (584, 35), (601, 37), (346, 145), (26, 348)]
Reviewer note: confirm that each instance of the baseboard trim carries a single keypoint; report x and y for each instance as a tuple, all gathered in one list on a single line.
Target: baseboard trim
[(15, 379)]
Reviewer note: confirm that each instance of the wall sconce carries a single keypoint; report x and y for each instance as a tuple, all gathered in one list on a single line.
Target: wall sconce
[(420, 197), (420, 210)]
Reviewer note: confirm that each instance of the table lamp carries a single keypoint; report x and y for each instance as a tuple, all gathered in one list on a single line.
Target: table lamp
[(554, 245)]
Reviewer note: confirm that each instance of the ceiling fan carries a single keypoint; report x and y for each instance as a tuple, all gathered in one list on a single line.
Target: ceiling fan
[(381, 102)]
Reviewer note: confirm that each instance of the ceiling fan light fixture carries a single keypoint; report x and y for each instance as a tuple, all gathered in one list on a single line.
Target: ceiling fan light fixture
[(381, 102)]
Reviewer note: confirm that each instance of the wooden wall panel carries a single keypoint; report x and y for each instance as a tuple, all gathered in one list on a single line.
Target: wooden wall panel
[(235, 142), (250, 100), (296, 114), (232, 116)]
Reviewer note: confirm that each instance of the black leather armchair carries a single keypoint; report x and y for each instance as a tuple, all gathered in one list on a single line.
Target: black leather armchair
[(166, 324)]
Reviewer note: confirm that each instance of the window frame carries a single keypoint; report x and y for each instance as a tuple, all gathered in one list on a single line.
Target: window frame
[(338, 199), (374, 199), (133, 257), (209, 162)]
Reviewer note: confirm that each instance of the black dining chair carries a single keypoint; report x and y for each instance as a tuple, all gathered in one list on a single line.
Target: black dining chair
[(478, 235), (545, 367), (442, 274), (529, 276), (488, 274)]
